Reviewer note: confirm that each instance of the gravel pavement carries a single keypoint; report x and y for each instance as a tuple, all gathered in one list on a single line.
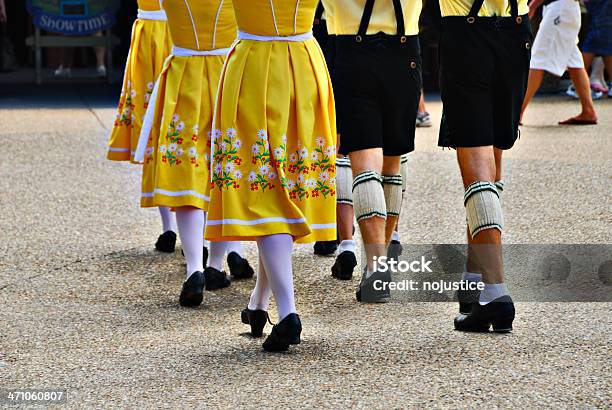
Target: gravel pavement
[(87, 305)]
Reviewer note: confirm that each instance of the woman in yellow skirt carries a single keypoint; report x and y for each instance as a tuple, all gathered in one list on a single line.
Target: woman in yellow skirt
[(149, 49), (175, 140), (274, 152)]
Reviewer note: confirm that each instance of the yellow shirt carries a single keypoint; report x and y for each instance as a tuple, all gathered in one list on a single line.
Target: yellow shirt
[(149, 5), (489, 8), (344, 16)]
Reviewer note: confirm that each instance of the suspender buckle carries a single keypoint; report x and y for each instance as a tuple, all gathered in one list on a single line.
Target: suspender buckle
[(519, 20), (471, 20), (358, 38)]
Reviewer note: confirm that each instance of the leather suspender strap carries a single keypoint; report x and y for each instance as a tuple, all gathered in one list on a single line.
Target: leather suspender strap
[(365, 19), (476, 6), (367, 15), (514, 8), (399, 17)]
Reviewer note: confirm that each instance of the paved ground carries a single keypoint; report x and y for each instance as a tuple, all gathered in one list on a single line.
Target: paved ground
[(86, 305)]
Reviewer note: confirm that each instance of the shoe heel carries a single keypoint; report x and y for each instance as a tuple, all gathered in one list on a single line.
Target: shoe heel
[(502, 325), (257, 326)]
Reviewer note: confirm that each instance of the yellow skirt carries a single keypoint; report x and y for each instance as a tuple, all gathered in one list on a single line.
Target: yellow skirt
[(149, 49), (177, 157), (274, 147)]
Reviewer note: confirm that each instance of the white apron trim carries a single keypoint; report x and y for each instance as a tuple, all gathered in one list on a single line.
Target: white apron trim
[(159, 15), (147, 122), (293, 38), (186, 52), (165, 192)]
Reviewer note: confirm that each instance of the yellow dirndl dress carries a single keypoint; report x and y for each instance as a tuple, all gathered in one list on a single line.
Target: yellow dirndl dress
[(177, 155), (274, 136), (149, 48)]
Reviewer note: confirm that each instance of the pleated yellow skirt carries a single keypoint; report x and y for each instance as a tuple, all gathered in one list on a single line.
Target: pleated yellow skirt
[(149, 49), (273, 167), (177, 157)]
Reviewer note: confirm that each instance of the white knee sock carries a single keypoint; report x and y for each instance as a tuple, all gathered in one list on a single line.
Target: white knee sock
[(260, 296), (275, 252), (491, 292), (234, 246), (347, 245), (168, 220), (190, 223), (216, 254)]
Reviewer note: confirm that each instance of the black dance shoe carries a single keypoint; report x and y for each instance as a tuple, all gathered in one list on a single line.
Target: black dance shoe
[(394, 250), (166, 242), (499, 313), (344, 265), (256, 318), (466, 298), (192, 292), (215, 279), (239, 267), (374, 289), (286, 332), (325, 248)]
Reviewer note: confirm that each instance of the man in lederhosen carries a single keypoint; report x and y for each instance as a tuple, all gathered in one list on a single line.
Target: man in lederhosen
[(484, 63), (377, 85)]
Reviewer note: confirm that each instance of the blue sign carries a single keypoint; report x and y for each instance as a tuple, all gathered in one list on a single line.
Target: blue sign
[(73, 17)]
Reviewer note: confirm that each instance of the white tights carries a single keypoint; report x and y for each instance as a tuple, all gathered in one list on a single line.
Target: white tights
[(275, 275)]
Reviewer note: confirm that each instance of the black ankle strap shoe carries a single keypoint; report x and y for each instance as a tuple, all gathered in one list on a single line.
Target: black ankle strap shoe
[(286, 332), (166, 242), (192, 292), (239, 267), (257, 319), (498, 313), (216, 279)]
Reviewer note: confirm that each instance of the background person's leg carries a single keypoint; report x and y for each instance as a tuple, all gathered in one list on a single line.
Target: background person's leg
[(581, 82), (535, 80)]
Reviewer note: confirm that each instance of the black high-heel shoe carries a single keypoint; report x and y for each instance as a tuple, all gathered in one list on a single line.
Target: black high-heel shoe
[(192, 292), (257, 319), (215, 279), (498, 313), (239, 267), (166, 242), (286, 332)]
